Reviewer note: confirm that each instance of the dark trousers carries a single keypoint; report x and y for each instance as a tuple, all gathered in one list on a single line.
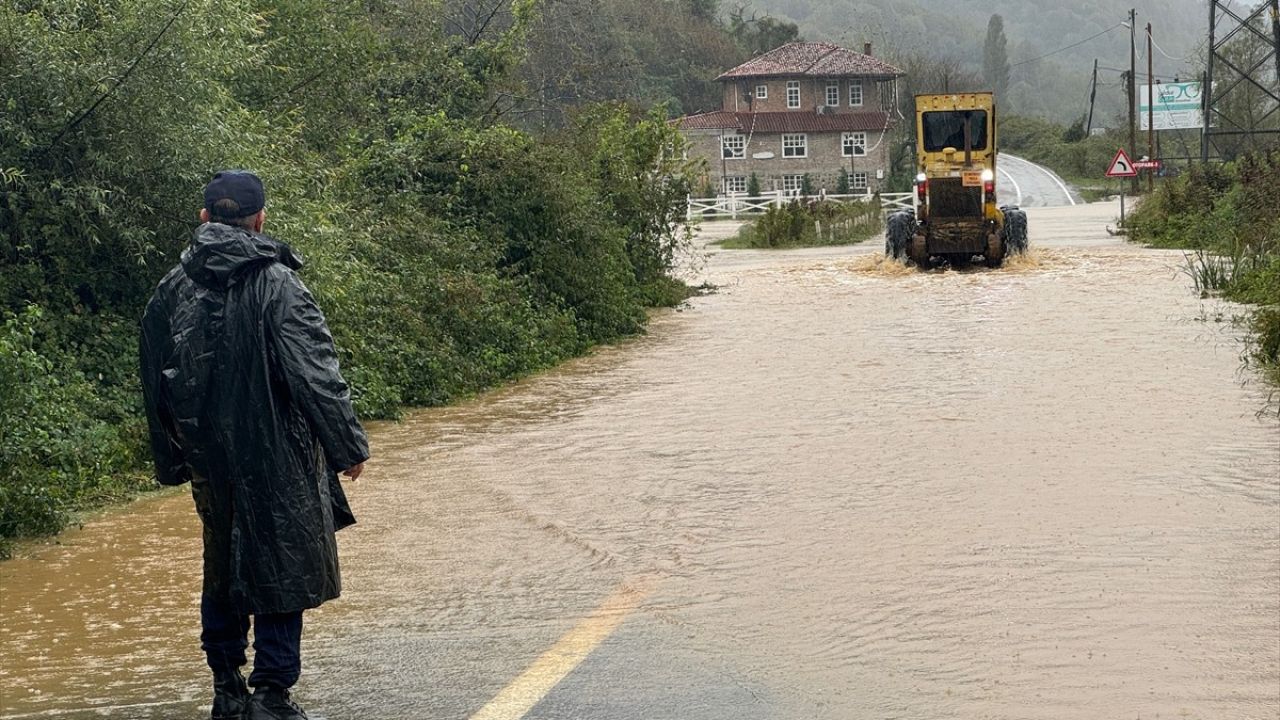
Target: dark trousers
[(277, 639)]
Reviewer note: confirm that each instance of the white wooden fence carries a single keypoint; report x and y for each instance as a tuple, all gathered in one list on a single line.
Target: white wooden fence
[(735, 204)]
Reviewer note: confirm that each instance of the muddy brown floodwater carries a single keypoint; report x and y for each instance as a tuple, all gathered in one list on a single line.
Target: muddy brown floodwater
[(832, 489)]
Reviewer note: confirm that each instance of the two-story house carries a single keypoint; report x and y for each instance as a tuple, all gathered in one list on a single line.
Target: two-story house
[(802, 109)]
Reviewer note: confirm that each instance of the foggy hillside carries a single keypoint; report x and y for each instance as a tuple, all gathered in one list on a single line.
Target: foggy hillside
[(1055, 87)]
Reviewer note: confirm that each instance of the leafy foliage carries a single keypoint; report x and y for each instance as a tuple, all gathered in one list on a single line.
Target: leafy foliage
[(807, 224), (63, 442), (450, 251)]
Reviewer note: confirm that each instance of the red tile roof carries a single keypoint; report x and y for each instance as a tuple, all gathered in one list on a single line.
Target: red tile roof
[(780, 122), (812, 60)]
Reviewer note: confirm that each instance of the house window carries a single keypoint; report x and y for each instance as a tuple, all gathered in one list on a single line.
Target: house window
[(737, 183), (795, 146), (833, 94), (854, 144), (855, 93), (793, 94), (762, 92), (733, 147), (792, 183), (858, 181)]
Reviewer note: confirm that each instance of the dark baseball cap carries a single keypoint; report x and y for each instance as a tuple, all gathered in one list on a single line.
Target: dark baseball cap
[(234, 194)]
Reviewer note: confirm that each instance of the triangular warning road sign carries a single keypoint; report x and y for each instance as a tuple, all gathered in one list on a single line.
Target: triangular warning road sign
[(1121, 166)]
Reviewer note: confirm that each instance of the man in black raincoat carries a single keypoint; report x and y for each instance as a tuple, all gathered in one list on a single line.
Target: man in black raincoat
[(245, 401)]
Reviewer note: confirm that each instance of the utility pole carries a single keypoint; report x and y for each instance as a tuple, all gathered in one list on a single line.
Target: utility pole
[(1133, 89), (1093, 95), (1151, 112)]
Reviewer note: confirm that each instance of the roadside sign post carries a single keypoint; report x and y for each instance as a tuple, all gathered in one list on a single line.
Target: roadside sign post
[(1122, 167)]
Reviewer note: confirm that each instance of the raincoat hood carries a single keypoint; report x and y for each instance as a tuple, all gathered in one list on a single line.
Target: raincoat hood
[(219, 254)]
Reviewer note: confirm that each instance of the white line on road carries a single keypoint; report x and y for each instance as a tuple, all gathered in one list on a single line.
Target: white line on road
[(526, 691), (1065, 190), (1016, 187)]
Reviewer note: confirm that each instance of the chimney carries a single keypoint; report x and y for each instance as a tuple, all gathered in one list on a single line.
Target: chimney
[(866, 48)]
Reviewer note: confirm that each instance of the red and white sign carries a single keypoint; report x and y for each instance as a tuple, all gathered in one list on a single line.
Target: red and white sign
[(1122, 166)]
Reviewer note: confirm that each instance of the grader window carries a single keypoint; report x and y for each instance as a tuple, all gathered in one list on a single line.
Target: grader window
[(946, 129)]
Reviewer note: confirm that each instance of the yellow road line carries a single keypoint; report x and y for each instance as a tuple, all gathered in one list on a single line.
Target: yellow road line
[(518, 698)]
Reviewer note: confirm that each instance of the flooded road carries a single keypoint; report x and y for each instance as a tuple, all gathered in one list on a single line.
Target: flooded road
[(835, 488)]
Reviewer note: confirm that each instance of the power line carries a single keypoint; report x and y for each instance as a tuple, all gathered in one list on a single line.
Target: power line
[(1125, 72), (1162, 52), (1064, 49)]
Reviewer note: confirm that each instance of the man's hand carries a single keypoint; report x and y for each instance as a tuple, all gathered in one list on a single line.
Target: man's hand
[(354, 471)]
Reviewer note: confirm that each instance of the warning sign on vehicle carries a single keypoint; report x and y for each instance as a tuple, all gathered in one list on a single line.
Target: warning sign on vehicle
[(1122, 166)]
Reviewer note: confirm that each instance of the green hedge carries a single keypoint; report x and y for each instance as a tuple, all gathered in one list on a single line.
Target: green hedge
[(450, 252)]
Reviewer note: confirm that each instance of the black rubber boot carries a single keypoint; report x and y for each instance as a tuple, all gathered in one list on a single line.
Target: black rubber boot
[(269, 703), (230, 696)]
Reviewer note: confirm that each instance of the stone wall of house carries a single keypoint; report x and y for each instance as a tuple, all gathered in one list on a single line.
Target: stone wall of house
[(740, 95), (823, 163)]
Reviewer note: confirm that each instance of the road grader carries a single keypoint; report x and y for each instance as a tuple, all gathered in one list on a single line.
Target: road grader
[(956, 216)]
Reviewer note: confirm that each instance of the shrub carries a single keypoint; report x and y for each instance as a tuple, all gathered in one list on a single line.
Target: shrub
[(63, 442), (806, 224), (450, 252)]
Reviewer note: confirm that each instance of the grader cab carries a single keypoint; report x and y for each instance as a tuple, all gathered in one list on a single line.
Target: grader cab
[(956, 215)]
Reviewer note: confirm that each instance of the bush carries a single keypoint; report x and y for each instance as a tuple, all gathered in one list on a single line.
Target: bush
[(63, 442), (807, 224), (449, 251)]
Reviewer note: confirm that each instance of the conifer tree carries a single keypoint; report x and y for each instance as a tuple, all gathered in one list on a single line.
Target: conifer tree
[(995, 57)]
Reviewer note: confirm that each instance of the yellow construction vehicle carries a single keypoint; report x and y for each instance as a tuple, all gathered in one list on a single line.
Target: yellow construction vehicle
[(956, 216)]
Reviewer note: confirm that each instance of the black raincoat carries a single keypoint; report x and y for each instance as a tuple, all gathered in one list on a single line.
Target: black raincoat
[(245, 401)]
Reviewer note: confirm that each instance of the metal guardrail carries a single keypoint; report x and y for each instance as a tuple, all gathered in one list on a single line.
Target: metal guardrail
[(734, 204)]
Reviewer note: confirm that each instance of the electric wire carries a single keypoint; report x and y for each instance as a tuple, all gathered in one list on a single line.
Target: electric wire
[(1167, 55), (1069, 47)]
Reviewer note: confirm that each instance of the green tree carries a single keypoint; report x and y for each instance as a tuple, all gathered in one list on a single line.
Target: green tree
[(755, 35), (753, 186), (451, 250), (806, 185), (995, 57), (842, 182), (1075, 131)]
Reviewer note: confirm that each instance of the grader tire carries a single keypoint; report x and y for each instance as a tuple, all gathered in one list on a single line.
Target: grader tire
[(899, 229), (995, 251), (1015, 230), (919, 252)]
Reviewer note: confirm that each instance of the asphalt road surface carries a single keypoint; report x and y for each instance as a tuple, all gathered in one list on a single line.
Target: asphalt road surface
[(1026, 184), (835, 488)]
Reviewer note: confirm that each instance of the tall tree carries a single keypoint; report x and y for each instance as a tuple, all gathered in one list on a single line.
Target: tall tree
[(756, 35), (995, 57)]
